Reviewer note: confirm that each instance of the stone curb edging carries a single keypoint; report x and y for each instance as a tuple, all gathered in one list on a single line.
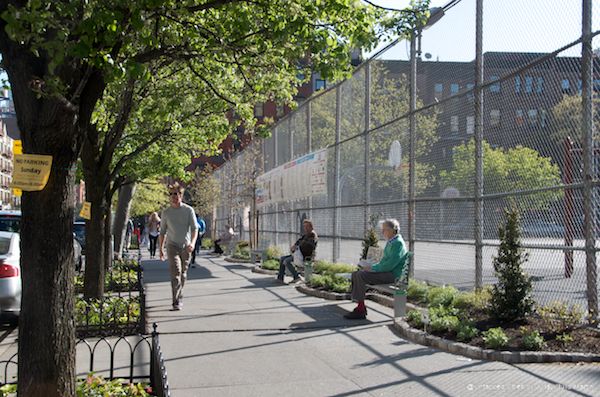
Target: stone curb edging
[(234, 260), (478, 353), (334, 296), (260, 270)]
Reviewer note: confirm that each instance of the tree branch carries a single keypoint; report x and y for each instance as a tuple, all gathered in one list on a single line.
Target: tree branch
[(208, 83)]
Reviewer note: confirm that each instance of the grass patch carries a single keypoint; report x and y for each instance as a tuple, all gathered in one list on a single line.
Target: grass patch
[(270, 264), (330, 282), (329, 268)]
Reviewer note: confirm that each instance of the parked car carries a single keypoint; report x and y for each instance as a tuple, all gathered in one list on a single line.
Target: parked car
[(10, 221), (79, 232), (542, 228), (10, 274)]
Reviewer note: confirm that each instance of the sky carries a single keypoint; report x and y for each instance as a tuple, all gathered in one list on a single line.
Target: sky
[(509, 25)]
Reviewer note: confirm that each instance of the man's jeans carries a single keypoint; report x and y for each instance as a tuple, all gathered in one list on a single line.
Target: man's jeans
[(179, 259), (287, 261)]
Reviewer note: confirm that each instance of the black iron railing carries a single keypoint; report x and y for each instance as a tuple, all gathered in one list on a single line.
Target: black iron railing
[(134, 359)]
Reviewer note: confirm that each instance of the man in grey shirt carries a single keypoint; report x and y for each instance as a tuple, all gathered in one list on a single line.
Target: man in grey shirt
[(178, 224)]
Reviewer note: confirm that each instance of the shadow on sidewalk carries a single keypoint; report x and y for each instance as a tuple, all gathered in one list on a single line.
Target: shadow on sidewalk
[(156, 271)]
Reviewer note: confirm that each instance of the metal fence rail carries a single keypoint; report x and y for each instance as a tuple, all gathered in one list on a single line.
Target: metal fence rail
[(445, 143)]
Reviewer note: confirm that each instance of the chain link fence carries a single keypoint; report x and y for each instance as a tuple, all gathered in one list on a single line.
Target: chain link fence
[(445, 145)]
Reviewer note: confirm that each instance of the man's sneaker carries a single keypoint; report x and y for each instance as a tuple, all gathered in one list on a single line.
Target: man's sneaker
[(297, 279), (193, 265), (279, 281), (176, 308), (356, 315)]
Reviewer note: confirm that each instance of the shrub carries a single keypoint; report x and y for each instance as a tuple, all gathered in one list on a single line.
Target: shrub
[(560, 317), (533, 341), (495, 338), (273, 252), (325, 267), (270, 264), (441, 296), (476, 300), (465, 332), (330, 282), (243, 244), (96, 386), (511, 296), (370, 240), (415, 319), (109, 310), (417, 291), (443, 319), (564, 338), (207, 243)]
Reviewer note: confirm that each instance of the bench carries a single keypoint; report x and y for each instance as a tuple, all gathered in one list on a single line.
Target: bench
[(259, 254), (398, 289)]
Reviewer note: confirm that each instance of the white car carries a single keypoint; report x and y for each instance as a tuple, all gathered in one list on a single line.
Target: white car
[(10, 274)]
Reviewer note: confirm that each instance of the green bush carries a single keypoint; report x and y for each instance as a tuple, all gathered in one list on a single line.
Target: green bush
[(370, 240), (495, 338), (110, 310), (243, 244), (533, 341), (207, 244), (511, 295), (273, 252), (465, 332), (441, 296), (325, 267), (96, 386), (119, 280), (560, 317), (330, 282), (415, 319), (476, 300), (564, 338), (270, 264), (417, 291), (443, 319)]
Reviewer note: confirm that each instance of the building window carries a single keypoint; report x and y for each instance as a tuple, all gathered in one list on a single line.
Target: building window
[(517, 84), (565, 85), (519, 117), (454, 88), (439, 88), (320, 84), (496, 86), (470, 125), (470, 95), (532, 116), (539, 88), (454, 123), (494, 117), (543, 117), (259, 110), (528, 84)]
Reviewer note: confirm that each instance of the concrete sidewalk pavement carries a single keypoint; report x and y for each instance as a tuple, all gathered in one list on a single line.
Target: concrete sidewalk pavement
[(240, 334)]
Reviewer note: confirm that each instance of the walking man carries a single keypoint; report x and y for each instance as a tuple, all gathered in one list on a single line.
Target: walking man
[(178, 224)]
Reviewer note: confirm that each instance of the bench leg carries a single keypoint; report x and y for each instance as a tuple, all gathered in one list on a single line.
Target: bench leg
[(399, 304)]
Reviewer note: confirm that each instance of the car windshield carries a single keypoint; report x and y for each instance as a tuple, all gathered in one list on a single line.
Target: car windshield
[(4, 245), (10, 224)]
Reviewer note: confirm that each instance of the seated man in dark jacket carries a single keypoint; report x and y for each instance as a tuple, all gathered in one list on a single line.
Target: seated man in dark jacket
[(307, 244)]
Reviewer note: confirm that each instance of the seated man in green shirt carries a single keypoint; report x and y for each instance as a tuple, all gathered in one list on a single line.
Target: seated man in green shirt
[(384, 272)]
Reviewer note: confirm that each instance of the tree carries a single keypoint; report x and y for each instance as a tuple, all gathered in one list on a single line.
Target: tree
[(511, 295), (150, 196), (204, 191), (389, 101), (567, 118), (504, 170), (60, 56)]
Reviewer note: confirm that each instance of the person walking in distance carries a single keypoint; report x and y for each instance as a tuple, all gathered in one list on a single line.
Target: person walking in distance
[(201, 230), (153, 232), (178, 227)]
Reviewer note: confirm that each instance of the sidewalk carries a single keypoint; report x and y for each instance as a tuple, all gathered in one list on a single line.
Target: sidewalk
[(239, 334)]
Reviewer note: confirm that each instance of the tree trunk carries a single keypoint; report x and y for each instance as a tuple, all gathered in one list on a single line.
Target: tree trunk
[(93, 280), (108, 246), (126, 193)]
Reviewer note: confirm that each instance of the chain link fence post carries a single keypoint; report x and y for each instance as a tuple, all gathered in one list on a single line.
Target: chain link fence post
[(412, 140), (587, 134), (479, 145), (336, 174), (367, 144)]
